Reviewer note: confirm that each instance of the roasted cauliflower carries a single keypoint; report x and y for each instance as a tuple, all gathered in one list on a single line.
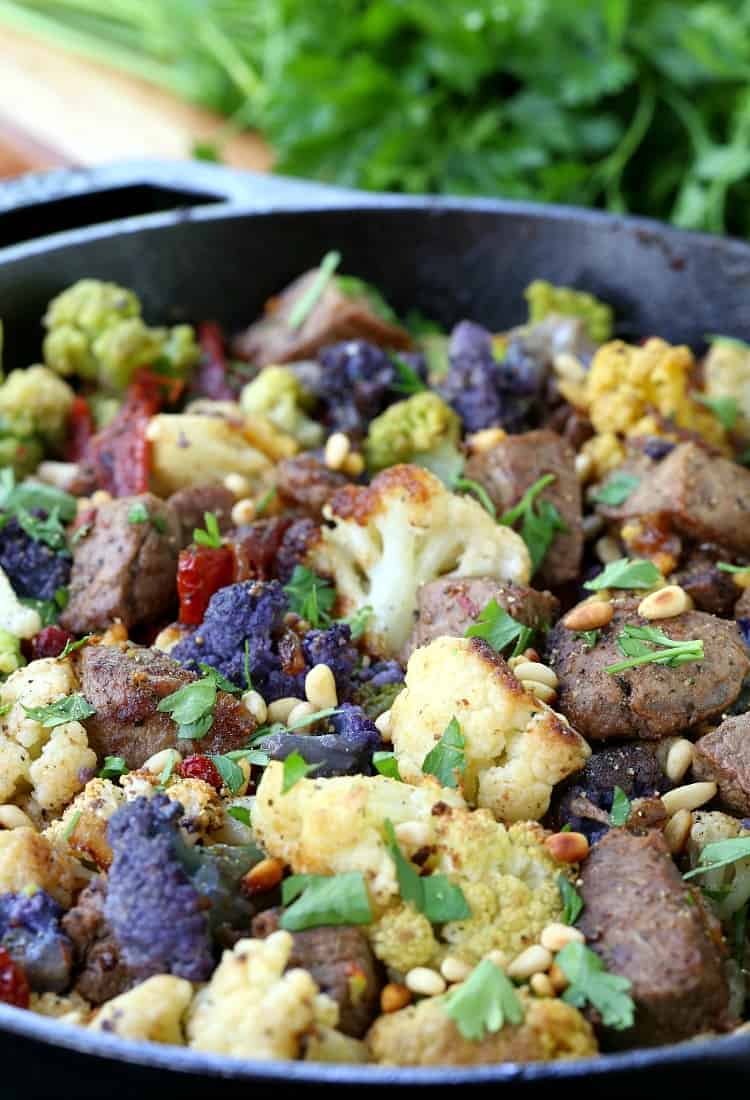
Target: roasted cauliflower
[(516, 748), (184, 446), (153, 1010), (727, 888), (29, 861), (400, 532), (83, 825), (15, 617), (726, 370)]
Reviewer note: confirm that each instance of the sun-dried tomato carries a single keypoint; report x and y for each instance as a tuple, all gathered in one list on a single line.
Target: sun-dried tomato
[(80, 430), (201, 571), (50, 642), (211, 375), (255, 549), (14, 988), (200, 767), (120, 452)]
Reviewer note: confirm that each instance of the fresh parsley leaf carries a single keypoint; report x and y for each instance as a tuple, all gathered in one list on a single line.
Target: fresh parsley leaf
[(241, 814), (540, 521), (295, 768), (5, 708), (714, 338), (232, 774), (166, 772), (571, 899), (721, 853), (48, 530), (589, 637), (211, 535), (138, 513), (620, 811), (484, 1003), (435, 895), (724, 409), (265, 500), (479, 491), (114, 767), (637, 643), (626, 573), (591, 984), (34, 496), (500, 629), (386, 764), (310, 596), (408, 381), (307, 301), (71, 646), (357, 621), (221, 681), (317, 900), (616, 489), (70, 828), (73, 708), (192, 707), (725, 567), (80, 533), (447, 757)]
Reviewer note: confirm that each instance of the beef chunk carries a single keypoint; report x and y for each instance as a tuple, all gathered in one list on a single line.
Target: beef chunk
[(101, 970), (306, 482), (512, 467), (648, 925), (651, 700), (124, 567), (724, 756), (125, 685), (448, 606), (335, 316), (742, 607), (710, 588), (189, 506), (341, 963)]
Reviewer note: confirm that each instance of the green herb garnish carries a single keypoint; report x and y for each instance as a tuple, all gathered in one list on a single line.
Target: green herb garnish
[(80, 533), (447, 757), (500, 629), (33, 495), (231, 774), (139, 513), (616, 489), (637, 643), (626, 573), (620, 811), (591, 984), (241, 814), (468, 486), (541, 522), (211, 535), (320, 900), (166, 772), (435, 895), (73, 708), (721, 853), (307, 301), (265, 500), (70, 828), (71, 646), (724, 409), (588, 637), (246, 666), (114, 767), (386, 764), (571, 899), (408, 381), (296, 768), (484, 1003), (49, 530), (726, 567), (310, 596), (192, 706), (358, 620)]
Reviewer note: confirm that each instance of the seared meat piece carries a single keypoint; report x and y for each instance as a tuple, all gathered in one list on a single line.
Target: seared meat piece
[(335, 316), (126, 685), (710, 588), (651, 700), (448, 606), (298, 538), (512, 467), (306, 482), (724, 756), (102, 972), (632, 767), (125, 567), (648, 925), (341, 962), (190, 504)]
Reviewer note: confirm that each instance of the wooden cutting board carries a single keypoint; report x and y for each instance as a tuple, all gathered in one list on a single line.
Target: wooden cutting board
[(57, 108)]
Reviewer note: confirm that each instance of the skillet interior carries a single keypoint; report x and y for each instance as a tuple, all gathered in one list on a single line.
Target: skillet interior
[(450, 259)]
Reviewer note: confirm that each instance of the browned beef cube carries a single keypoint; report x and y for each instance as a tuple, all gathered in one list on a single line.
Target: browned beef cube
[(306, 482), (724, 756), (709, 587), (102, 972)]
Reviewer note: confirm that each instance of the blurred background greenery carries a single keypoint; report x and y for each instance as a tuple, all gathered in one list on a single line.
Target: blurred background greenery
[(640, 105)]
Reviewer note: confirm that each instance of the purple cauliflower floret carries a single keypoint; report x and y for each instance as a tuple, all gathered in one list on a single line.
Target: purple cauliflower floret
[(333, 647), (157, 915), (356, 384), (381, 673), (31, 934), (346, 751), (33, 568)]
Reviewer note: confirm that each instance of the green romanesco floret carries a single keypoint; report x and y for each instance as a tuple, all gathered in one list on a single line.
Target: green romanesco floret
[(543, 299), (414, 430), (21, 455), (277, 394), (35, 403), (95, 330), (11, 657)]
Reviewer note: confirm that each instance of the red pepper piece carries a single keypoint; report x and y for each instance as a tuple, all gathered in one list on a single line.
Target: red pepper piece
[(120, 452), (14, 988), (80, 429), (201, 571), (50, 642), (200, 767), (211, 376)]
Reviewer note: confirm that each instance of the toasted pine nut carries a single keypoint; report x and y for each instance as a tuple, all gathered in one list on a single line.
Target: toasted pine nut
[(159, 761), (255, 705), (114, 634), (302, 710), (12, 817), (354, 464), (679, 759), (167, 638), (591, 615), (557, 978), (454, 970), (541, 986), (584, 465), (665, 603), (153, 429), (383, 724), (535, 670), (413, 834), (263, 876), (607, 549), (485, 440), (742, 580), (246, 770), (688, 797), (336, 450), (568, 366), (99, 497), (237, 484), (533, 960), (394, 997), (556, 936), (567, 847), (677, 831), (539, 690), (280, 709), (320, 687), (497, 957), (243, 512), (428, 983)]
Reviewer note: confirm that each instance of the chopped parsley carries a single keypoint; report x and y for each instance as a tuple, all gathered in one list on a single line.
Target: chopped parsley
[(73, 708), (484, 1003), (479, 491), (500, 629), (80, 533), (246, 666), (70, 828), (317, 900), (637, 643), (724, 409), (386, 764), (166, 772), (139, 513), (588, 637), (721, 853), (308, 300), (241, 814), (591, 984), (295, 768), (620, 811), (726, 567), (48, 530), (265, 500), (408, 381), (541, 522), (616, 489), (358, 620), (114, 767), (192, 706), (71, 646), (221, 681), (626, 573), (571, 899), (33, 495), (310, 596), (210, 535), (435, 895), (232, 775), (447, 757)]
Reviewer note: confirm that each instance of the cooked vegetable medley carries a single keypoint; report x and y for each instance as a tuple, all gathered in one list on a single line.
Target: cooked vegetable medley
[(373, 696)]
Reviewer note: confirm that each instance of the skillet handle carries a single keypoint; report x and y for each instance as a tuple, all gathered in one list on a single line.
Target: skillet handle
[(40, 204)]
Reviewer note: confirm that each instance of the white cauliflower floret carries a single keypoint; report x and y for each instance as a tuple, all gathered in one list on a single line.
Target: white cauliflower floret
[(326, 826), (70, 1010), (83, 826), (14, 768), (203, 809), (29, 860), (400, 532), (56, 774), (153, 1010), (709, 827), (726, 371), (36, 685), (516, 748), (252, 1008), (15, 617), (185, 446)]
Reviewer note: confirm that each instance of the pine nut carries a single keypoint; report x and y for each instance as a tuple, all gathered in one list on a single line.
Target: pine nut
[(742, 580), (394, 997), (498, 957), (556, 936), (688, 797), (485, 440), (354, 464), (153, 429), (567, 847), (100, 497), (167, 638), (677, 831), (255, 705), (12, 817), (541, 986), (243, 512), (592, 615), (383, 725), (539, 690), (454, 970), (246, 770), (665, 603), (160, 760), (557, 978), (320, 687), (584, 465), (263, 876), (238, 485), (534, 670), (533, 960), (302, 710), (426, 982), (114, 634), (607, 549), (280, 709), (413, 834), (679, 759), (336, 450)]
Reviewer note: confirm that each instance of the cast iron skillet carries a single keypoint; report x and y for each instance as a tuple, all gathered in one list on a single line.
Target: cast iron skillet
[(198, 241)]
